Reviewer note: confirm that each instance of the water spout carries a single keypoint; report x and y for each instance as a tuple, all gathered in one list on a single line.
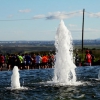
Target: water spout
[(15, 83), (64, 71)]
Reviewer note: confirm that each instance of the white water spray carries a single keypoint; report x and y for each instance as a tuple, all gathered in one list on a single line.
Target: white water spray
[(15, 83), (64, 71), (99, 75)]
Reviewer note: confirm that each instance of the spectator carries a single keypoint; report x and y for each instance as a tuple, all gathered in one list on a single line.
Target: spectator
[(28, 61), (77, 60), (44, 61), (38, 60), (88, 58), (21, 61), (1, 61), (93, 58), (33, 61)]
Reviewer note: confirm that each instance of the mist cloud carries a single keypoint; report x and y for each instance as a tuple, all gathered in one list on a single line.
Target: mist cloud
[(25, 11)]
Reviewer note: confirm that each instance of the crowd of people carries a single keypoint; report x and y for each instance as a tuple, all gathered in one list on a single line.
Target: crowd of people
[(27, 61), (37, 61)]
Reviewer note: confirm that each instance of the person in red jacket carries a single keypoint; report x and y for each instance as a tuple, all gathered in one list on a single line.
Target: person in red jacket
[(88, 58), (1, 61)]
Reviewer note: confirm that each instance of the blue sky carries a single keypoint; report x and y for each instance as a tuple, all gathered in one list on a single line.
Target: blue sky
[(39, 19)]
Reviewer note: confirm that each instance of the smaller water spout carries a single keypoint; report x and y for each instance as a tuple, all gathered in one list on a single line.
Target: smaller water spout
[(15, 83)]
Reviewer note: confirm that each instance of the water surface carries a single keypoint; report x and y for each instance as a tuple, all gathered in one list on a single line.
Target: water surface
[(37, 87)]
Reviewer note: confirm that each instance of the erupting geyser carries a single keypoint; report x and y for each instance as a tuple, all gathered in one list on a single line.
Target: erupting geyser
[(64, 71), (15, 83)]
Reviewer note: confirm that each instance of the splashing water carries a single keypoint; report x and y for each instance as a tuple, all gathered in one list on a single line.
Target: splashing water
[(15, 83), (64, 71), (99, 75)]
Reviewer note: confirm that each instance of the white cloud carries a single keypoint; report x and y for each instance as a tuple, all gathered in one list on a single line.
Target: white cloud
[(93, 14), (39, 16), (59, 15), (89, 33), (72, 25), (25, 11), (92, 30), (85, 30), (10, 16), (63, 15)]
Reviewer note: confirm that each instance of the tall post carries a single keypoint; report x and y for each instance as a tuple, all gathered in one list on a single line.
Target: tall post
[(83, 30)]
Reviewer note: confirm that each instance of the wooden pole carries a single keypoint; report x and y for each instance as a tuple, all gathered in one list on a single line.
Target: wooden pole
[(83, 30)]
